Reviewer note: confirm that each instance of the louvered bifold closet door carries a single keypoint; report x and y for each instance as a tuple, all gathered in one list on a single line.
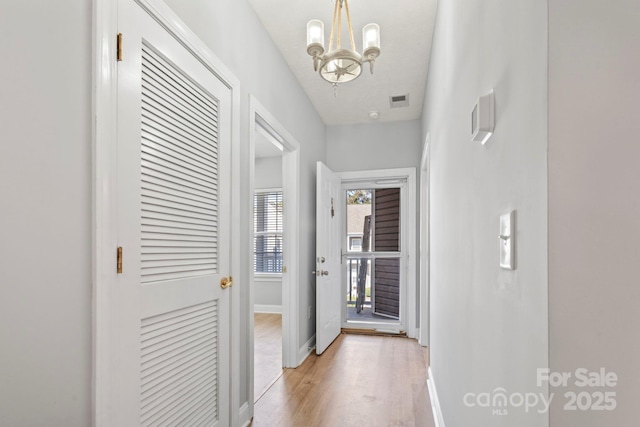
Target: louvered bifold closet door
[(179, 174), (179, 229), (169, 348)]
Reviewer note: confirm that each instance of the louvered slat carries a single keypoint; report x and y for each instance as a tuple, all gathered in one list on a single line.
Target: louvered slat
[(179, 174), (159, 131), (174, 78), (179, 366)]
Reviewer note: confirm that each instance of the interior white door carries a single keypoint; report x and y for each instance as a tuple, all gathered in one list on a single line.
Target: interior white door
[(328, 257), (171, 344)]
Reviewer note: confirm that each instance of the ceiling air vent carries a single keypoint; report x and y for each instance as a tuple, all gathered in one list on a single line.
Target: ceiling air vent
[(399, 101)]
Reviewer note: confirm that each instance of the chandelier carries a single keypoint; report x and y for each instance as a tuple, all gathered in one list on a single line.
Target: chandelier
[(341, 65)]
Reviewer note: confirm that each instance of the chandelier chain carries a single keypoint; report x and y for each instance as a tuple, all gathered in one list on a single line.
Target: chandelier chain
[(340, 26), (353, 43), (336, 12)]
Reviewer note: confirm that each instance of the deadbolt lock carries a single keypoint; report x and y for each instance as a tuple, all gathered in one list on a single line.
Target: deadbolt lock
[(226, 282), (318, 273)]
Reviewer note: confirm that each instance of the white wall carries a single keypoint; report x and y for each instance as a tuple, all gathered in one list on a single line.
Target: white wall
[(385, 145), (594, 201), (489, 326), (45, 188), (268, 174)]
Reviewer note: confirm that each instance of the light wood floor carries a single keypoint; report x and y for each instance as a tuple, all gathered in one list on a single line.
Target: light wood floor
[(358, 381), (268, 351)]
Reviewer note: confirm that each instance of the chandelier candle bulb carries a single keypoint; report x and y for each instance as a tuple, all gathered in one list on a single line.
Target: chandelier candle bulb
[(371, 43), (370, 37), (315, 33), (315, 40)]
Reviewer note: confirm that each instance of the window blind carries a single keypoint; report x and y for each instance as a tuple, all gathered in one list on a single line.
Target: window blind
[(267, 226)]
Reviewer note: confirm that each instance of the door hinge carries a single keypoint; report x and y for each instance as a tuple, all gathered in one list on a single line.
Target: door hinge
[(119, 47), (119, 260)]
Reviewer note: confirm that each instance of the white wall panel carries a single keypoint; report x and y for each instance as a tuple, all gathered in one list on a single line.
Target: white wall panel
[(371, 146), (489, 326), (594, 202), (45, 187)]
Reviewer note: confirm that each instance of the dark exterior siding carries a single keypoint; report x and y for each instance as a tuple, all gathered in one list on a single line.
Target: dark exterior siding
[(387, 239)]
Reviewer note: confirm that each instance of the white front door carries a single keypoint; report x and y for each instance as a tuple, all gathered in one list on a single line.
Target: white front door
[(170, 362), (328, 257)]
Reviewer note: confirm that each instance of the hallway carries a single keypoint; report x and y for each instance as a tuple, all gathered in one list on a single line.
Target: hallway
[(359, 380)]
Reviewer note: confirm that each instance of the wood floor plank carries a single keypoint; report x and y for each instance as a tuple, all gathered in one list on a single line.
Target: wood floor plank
[(267, 351), (359, 380)]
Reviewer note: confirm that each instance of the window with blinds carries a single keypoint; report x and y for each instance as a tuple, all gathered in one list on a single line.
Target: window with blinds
[(267, 226)]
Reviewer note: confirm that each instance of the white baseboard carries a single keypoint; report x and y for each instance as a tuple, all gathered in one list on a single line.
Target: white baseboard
[(306, 349), (271, 309), (435, 403), (245, 416)]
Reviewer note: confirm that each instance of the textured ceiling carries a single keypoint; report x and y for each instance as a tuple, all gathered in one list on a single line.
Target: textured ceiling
[(406, 28)]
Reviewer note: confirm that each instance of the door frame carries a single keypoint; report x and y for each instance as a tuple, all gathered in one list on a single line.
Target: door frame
[(291, 241), (424, 258), (104, 242), (407, 238)]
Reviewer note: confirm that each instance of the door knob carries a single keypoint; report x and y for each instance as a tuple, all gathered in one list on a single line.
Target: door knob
[(325, 273), (226, 282), (315, 273)]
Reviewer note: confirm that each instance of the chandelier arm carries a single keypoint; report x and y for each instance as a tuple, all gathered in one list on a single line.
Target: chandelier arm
[(353, 43)]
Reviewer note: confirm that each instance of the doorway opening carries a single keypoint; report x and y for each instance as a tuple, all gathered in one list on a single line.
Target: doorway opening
[(373, 255), (378, 266), (267, 259), (273, 291)]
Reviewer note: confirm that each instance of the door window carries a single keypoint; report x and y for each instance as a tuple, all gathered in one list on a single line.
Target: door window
[(373, 254)]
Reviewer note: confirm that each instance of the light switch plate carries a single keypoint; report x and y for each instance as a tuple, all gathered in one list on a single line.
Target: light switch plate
[(507, 240)]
